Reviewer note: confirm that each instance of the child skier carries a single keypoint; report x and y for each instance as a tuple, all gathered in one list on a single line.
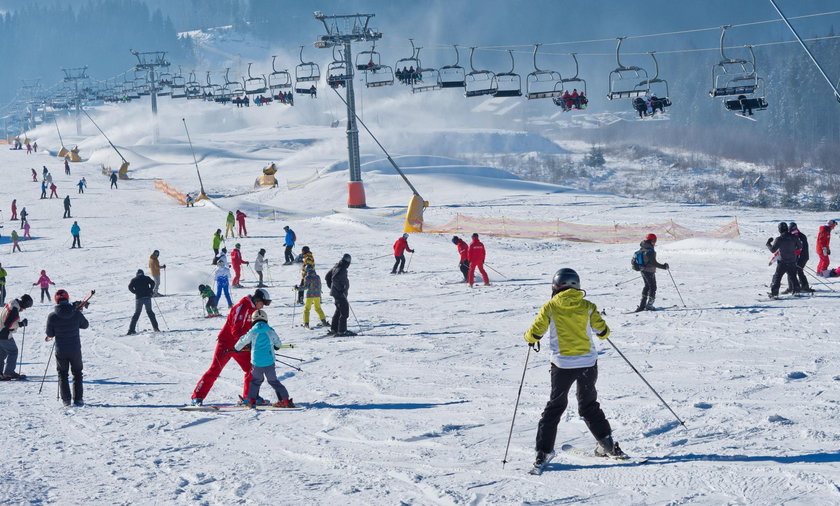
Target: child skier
[(571, 320), (646, 260), (307, 258), (312, 285), (263, 340), (44, 282), (222, 277), (16, 238), (211, 306)]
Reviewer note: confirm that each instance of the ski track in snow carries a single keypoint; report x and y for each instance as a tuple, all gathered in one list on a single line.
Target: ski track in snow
[(415, 410)]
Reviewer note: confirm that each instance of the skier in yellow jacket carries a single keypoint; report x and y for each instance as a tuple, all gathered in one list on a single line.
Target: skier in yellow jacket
[(571, 321)]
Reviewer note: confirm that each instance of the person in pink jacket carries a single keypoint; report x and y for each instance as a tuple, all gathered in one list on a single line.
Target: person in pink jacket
[(44, 282), (26, 231)]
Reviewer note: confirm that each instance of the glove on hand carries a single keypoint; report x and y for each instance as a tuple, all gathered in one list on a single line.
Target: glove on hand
[(23, 323), (666, 266)]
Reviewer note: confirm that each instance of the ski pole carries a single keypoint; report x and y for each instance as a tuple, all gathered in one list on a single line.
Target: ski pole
[(289, 357), (814, 275), (164, 281), (20, 357), (290, 365), (47, 367), (409, 261), (294, 307), (381, 256), (161, 314), (497, 272), (646, 383), (354, 317), (627, 281), (516, 406), (675, 286)]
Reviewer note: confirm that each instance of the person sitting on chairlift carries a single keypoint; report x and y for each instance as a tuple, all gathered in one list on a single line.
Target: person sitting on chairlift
[(746, 106)]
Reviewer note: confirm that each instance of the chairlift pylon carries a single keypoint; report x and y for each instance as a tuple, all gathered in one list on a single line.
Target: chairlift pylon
[(453, 76), (618, 76), (542, 83), (478, 82)]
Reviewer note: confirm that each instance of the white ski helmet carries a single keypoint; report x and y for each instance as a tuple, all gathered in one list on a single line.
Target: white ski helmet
[(259, 316)]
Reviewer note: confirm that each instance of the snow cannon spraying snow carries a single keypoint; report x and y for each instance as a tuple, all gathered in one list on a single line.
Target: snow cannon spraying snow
[(268, 179), (414, 214), (73, 155)]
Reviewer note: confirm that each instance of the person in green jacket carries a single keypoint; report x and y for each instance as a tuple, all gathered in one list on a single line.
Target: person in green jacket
[(231, 220), (15, 238), (2, 285), (217, 243), (571, 322)]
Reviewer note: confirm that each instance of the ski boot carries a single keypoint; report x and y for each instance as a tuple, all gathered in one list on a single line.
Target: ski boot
[(609, 448), (284, 403), (642, 305), (66, 404), (197, 401), (324, 323), (347, 333), (306, 325), (79, 403), (650, 306)]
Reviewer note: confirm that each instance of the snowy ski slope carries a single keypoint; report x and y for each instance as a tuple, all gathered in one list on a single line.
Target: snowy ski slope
[(415, 410)]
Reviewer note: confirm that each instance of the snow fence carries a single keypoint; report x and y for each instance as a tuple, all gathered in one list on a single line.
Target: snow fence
[(162, 186), (556, 229)]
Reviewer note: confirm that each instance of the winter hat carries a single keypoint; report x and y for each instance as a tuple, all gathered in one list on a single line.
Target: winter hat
[(237, 245), (286, 227), (346, 258), (455, 238), (783, 227), (650, 237), (200, 287), (262, 294), (305, 249), (155, 252), (25, 301), (259, 316), (475, 236), (139, 272), (224, 250), (262, 251), (61, 295), (43, 272)]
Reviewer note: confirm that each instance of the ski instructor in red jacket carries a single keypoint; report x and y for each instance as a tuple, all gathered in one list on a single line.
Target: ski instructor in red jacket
[(400, 248), (237, 324), (463, 251), (476, 258), (823, 248)]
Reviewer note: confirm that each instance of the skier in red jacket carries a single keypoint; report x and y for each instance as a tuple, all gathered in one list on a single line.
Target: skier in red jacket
[(476, 258), (399, 254), (237, 324), (237, 262), (240, 217), (823, 240), (463, 250)]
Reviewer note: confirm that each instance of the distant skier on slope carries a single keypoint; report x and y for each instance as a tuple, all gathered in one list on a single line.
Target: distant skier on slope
[(229, 221), (67, 207), (53, 191), (217, 242), (76, 231), (476, 258), (570, 320), (312, 285), (10, 321), (237, 324), (400, 247), (787, 246), (263, 341), (3, 275), (823, 244), (44, 282), (289, 242), (260, 263), (142, 287), (237, 262), (63, 324), (114, 181), (339, 286), (307, 258), (211, 306), (463, 252), (44, 189), (154, 269), (645, 258), (240, 219), (14, 210)]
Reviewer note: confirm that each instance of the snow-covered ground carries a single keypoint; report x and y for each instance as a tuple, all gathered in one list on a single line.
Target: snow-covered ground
[(416, 409)]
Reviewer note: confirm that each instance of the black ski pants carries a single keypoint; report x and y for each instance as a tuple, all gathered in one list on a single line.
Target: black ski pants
[(342, 311), (783, 268), (399, 261), (70, 362), (138, 306), (588, 407), (464, 265), (650, 284), (45, 293), (800, 273), (290, 258), (67, 212), (77, 242)]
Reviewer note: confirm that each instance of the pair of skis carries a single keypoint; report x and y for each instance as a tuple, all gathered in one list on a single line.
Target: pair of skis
[(587, 456)]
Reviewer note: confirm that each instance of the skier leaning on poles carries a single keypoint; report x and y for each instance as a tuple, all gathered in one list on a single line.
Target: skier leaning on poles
[(571, 321), (63, 324), (645, 259)]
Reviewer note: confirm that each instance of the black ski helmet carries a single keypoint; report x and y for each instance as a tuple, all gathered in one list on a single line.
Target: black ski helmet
[(25, 301), (566, 278), (346, 258), (139, 272), (455, 239), (792, 226), (783, 227)]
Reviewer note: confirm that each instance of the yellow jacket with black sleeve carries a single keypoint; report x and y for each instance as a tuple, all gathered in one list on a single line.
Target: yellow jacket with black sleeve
[(571, 321)]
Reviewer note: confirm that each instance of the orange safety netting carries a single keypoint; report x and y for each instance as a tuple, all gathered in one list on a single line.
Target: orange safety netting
[(556, 229), (161, 185)]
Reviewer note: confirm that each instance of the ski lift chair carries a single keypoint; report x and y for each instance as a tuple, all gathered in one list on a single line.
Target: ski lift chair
[(337, 72), (254, 85), (508, 84), (542, 83), (478, 82), (278, 79), (619, 76), (573, 82), (655, 83), (369, 60), (743, 102), (412, 63), (453, 76), (425, 79), (383, 76)]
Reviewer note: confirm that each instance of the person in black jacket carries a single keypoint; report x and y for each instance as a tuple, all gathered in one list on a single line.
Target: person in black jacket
[(801, 259), (63, 324), (67, 207), (339, 286), (142, 287), (787, 246), (9, 322)]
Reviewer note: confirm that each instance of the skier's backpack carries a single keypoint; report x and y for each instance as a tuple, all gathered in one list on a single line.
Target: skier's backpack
[(638, 260), (294, 236)]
